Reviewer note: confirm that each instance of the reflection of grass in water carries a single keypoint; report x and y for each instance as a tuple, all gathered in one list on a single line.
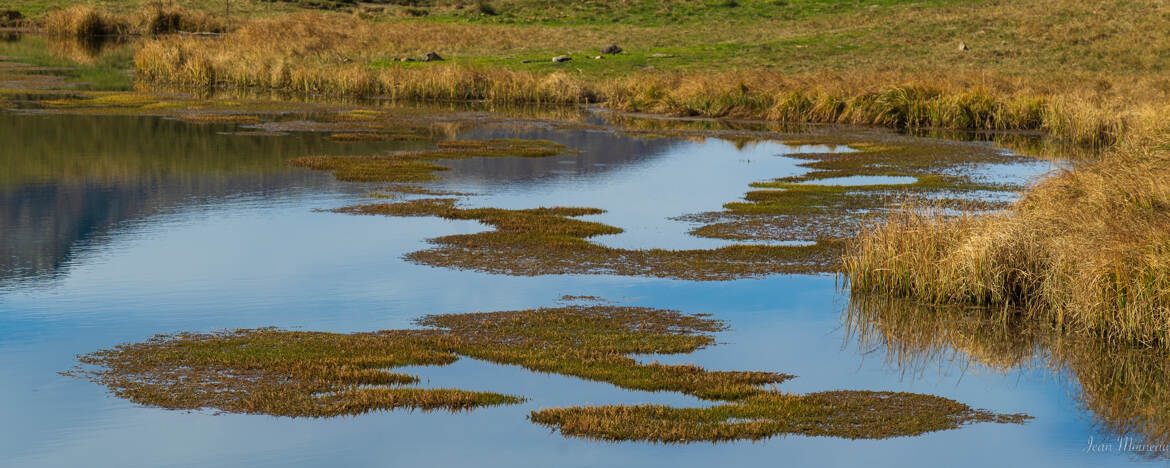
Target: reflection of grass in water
[(1126, 388), (94, 63), (544, 241), (287, 373), (66, 153)]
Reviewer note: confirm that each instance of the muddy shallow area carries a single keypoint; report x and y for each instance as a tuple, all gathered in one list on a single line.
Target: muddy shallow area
[(122, 219)]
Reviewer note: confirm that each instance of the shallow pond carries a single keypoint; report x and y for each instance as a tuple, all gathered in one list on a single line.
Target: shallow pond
[(115, 228)]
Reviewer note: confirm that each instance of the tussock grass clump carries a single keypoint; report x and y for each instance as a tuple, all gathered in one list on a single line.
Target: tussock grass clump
[(1084, 250), (158, 17), (546, 241), (287, 373), (416, 166), (83, 21), (154, 18)]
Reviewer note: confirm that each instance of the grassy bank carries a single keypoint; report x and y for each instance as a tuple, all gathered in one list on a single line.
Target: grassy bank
[(813, 70)]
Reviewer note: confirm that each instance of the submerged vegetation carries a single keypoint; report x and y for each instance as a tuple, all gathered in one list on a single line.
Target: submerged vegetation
[(316, 374)]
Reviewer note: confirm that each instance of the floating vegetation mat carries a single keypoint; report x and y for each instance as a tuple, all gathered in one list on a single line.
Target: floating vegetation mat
[(315, 374), (545, 241)]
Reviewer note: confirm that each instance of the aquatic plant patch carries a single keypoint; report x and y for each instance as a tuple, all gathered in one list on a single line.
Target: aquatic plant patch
[(415, 166), (547, 241), (810, 208), (317, 374)]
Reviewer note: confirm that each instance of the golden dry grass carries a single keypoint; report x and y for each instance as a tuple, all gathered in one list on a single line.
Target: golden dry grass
[(1026, 68), (1085, 249), (153, 18)]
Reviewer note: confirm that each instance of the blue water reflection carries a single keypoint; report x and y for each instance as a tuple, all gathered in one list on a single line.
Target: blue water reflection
[(245, 247)]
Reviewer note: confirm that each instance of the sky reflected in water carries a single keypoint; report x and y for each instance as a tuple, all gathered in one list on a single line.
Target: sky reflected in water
[(225, 236)]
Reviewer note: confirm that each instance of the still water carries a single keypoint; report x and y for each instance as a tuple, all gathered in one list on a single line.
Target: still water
[(115, 228)]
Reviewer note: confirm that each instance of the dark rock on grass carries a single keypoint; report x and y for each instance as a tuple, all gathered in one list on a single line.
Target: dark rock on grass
[(561, 58), (611, 49)]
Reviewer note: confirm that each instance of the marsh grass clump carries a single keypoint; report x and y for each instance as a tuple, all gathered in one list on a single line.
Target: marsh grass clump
[(845, 414), (157, 17), (544, 241), (153, 18), (281, 373), (83, 21), (418, 166), (289, 373), (1055, 252), (315, 374)]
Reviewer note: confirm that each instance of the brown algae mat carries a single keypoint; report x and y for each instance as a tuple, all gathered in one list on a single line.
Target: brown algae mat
[(317, 374)]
